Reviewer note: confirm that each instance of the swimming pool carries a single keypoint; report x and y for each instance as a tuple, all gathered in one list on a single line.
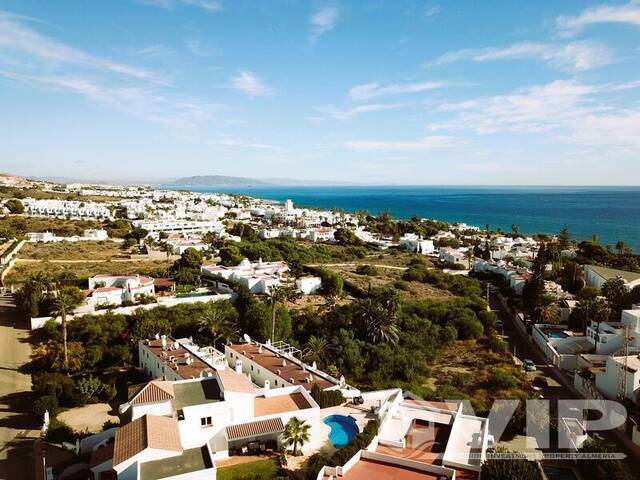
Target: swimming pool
[(558, 334), (343, 429)]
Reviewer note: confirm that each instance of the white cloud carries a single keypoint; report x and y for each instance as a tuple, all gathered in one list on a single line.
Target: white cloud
[(574, 56), (208, 5), (432, 10), (345, 114), (230, 141), (248, 83), (565, 111), (420, 145), (28, 57), (372, 90), (629, 13), (27, 45), (322, 21)]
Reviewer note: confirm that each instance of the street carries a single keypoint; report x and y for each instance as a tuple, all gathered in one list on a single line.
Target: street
[(18, 427)]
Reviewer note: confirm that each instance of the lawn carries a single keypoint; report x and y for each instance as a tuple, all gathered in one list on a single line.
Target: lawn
[(80, 271), (85, 250), (263, 469)]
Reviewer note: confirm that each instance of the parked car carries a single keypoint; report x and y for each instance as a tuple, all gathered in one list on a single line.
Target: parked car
[(529, 366)]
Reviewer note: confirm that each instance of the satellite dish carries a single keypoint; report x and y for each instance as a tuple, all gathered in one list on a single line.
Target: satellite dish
[(247, 338)]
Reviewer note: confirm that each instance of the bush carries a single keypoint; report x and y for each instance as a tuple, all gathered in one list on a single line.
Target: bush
[(503, 379), (46, 403), (59, 432), (369, 270), (326, 399), (332, 283)]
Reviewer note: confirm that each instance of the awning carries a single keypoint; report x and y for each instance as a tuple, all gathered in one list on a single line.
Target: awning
[(254, 429)]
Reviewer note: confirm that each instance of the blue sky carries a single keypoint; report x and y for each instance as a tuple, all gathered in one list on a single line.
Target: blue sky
[(400, 92)]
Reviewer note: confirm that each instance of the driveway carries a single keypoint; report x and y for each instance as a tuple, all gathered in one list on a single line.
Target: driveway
[(18, 427)]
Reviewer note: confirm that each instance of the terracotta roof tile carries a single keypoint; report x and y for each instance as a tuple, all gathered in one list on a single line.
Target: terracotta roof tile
[(145, 432), (254, 429), (154, 391), (101, 455), (235, 382)]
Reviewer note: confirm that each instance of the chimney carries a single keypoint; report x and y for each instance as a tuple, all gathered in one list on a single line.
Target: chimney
[(238, 366), (164, 341), (284, 362), (259, 348), (314, 365), (267, 384)]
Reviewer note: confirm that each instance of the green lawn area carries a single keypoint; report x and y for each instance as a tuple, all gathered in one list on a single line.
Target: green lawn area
[(263, 469)]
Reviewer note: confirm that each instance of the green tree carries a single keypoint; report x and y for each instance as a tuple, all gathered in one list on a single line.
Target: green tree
[(220, 321), (316, 350), (548, 311), (620, 247), (616, 292), (564, 238), (296, 434), (67, 300), (14, 206), (33, 292), (510, 469)]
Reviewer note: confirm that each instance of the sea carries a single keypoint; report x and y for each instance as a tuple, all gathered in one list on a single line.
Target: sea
[(611, 213)]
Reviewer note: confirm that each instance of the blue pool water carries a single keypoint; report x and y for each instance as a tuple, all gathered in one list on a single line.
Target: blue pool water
[(343, 429), (558, 335)]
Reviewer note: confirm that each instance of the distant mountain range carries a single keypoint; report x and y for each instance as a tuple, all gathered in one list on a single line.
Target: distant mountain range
[(225, 181)]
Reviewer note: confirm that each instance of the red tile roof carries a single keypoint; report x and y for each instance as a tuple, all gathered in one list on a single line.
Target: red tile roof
[(145, 432), (154, 391), (254, 429)]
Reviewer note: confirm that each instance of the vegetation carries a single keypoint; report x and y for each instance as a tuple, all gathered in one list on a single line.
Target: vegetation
[(326, 399), (510, 469), (14, 206), (17, 226), (296, 434), (94, 250), (259, 470), (342, 455), (600, 469)]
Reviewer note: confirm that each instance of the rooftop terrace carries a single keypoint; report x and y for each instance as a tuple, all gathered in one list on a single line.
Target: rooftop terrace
[(192, 460), (188, 394)]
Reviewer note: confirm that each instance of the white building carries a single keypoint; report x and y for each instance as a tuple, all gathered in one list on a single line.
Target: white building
[(275, 366), (115, 289), (414, 243), (608, 337), (595, 276), (309, 285), (609, 381), (183, 226), (88, 235), (259, 277), (420, 440), (455, 256), (184, 429), (65, 208)]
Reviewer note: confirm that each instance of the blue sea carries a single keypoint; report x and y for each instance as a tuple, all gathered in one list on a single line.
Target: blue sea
[(612, 213)]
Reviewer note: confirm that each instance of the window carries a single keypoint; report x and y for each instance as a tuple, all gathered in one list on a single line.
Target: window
[(205, 422), (252, 368)]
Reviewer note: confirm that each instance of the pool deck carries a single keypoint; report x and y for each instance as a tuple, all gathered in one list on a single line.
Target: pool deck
[(361, 413)]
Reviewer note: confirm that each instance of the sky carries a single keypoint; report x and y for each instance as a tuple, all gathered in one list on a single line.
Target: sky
[(373, 92)]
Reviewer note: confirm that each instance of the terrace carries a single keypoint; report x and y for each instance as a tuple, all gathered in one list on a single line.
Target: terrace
[(188, 394), (192, 460)]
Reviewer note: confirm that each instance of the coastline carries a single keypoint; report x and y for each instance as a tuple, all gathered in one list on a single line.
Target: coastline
[(613, 213)]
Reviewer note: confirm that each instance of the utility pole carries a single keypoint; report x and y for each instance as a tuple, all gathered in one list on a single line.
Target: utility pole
[(622, 379)]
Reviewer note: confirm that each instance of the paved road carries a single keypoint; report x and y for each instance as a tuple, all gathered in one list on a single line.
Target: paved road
[(557, 388), (17, 425)]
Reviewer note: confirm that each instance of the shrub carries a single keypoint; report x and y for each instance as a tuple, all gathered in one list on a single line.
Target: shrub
[(326, 399), (503, 379), (369, 270), (46, 403), (59, 432)]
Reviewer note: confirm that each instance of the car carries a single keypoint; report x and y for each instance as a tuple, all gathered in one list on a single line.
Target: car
[(529, 366)]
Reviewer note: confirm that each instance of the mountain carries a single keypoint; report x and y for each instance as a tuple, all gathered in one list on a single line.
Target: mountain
[(217, 181), (224, 181)]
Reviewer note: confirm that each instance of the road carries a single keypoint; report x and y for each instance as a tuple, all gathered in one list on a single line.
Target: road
[(557, 383), (18, 427)]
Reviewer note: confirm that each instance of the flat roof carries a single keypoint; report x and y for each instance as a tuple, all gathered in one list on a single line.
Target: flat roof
[(608, 273), (279, 404), (203, 391), (369, 469), (273, 362), (184, 370), (192, 460)]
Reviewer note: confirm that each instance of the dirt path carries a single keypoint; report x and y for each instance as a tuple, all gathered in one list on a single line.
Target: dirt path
[(18, 427), (377, 265)]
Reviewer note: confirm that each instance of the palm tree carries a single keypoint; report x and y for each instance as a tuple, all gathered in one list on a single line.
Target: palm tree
[(67, 300), (620, 246), (548, 310), (296, 433), (168, 249), (378, 315), (219, 321), (276, 295), (602, 313), (316, 349)]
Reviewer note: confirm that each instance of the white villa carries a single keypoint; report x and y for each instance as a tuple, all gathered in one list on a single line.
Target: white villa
[(87, 235), (259, 277), (455, 256), (309, 284), (415, 243), (595, 276), (115, 289)]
